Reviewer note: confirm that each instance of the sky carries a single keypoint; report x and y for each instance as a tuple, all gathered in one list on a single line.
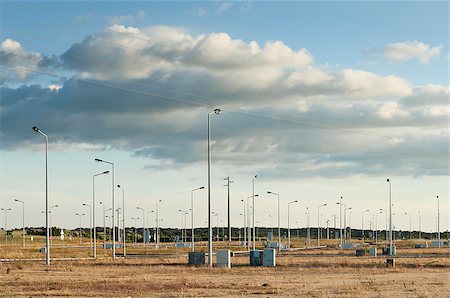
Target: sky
[(319, 99)]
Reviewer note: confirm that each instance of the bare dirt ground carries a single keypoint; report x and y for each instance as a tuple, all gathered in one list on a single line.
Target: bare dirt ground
[(313, 273)]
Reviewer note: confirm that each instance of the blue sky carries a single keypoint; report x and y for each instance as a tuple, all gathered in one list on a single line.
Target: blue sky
[(369, 80)]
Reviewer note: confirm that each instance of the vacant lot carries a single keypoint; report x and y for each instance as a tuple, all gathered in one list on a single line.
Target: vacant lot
[(313, 273)]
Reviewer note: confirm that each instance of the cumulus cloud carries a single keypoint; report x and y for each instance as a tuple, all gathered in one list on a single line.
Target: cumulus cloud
[(13, 54), (147, 91), (408, 50), (224, 6)]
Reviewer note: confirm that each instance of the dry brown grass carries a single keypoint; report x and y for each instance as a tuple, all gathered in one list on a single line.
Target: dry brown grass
[(303, 273)]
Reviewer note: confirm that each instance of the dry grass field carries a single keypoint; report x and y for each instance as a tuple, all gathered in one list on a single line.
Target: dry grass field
[(312, 273)]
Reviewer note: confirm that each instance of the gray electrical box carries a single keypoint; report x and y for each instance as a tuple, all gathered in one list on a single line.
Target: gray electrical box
[(223, 258), (269, 257)]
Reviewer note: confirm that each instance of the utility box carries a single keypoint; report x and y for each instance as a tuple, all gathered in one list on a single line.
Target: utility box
[(373, 251), (436, 243), (269, 236), (223, 258), (390, 262), (256, 258), (349, 245), (197, 258), (110, 246), (43, 250), (360, 252), (269, 257), (386, 250)]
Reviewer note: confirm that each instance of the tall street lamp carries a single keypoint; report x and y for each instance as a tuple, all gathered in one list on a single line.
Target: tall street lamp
[(410, 230), (345, 222), (143, 225), (253, 213), (112, 207), (6, 223), (279, 227), (104, 226), (289, 231), (123, 220), (192, 217), (340, 220), (420, 231), (217, 112), (308, 228), (47, 241), (183, 212), (90, 223), (148, 228), (245, 225), (93, 212), (362, 223), (229, 207), (23, 220), (217, 215), (80, 215), (318, 223), (438, 223), (391, 246), (157, 224), (376, 226), (384, 210)]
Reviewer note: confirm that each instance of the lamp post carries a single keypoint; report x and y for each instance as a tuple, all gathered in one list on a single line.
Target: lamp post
[(47, 241), (192, 217), (245, 225), (79, 234), (111, 226), (23, 220), (182, 223), (50, 223), (350, 226), (253, 213), (271, 223), (328, 229), (249, 216), (289, 231), (90, 222), (308, 228), (391, 247), (420, 231), (157, 224), (216, 111), (279, 228), (362, 223), (376, 225), (345, 222), (229, 208), (438, 223), (6, 223), (123, 220), (240, 239), (93, 212), (340, 220), (152, 211), (134, 238), (104, 226), (143, 224), (410, 230), (112, 207), (383, 210), (217, 215), (318, 223)]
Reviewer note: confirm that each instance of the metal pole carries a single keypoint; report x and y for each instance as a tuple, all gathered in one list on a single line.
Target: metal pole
[(340, 222), (253, 214), (245, 225), (391, 246), (229, 212), (123, 221), (23, 221), (438, 224), (420, 231)]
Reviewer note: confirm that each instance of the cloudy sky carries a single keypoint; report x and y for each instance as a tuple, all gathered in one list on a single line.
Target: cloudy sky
[(320, 100)]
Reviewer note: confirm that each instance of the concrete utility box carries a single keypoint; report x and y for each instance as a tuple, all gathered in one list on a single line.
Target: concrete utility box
[(197, 258), (223, 258), (269, 257), (256, 258), (373, 251), (360, 252)]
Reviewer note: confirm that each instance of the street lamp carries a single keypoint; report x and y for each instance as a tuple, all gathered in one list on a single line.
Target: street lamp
[(271, 223), (192, 216), (6, 223), (438, 222), (152, 211), (345, 222), (112, 207), (123, 220), (80, 215), (362, 223), (90, 223), (420, 232), (217, 112), (340, 220), (245, 225), (93, 212), (383, 210), (104, 226), (376, 225), (279, 228), (253, 213), (111, 226), (217, 215), (157, 225), (51, 227), (318, 223), (391, 247), (183, 212), (410, 231), (289, 231), (47, 241), (308, 228), (23, 220), (143, 225)]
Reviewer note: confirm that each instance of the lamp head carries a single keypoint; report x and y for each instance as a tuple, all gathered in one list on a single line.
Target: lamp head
[(118, 185), (84, 204), (105, 172), (256, 195), (202, 187), (269, 192), (217, 111), (98, 160), (16, 200), (388, 180), (295, 201), (36, 129)]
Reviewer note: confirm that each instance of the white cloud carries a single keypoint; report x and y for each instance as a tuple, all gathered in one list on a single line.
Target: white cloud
[(119, 20), (12, 53), (391, 110), (402, 51), (200, 11)]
